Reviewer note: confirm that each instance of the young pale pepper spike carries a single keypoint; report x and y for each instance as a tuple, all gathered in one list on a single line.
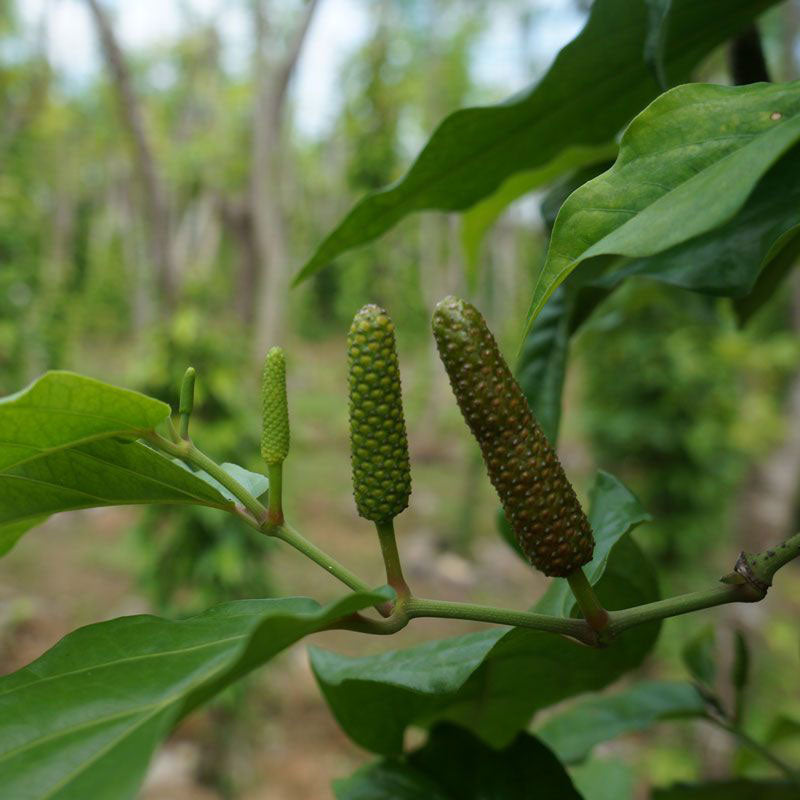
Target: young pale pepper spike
[(538, 499), (186, 404), (379, 445), (275, 426)]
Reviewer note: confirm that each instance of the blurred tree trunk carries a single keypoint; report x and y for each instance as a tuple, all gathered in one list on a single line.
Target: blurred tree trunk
[(768, 501), (155, 205), (17, 118), (269, 223), (238, 221)]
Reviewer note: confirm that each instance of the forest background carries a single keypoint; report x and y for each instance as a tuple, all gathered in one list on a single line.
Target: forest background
[(163, 174)]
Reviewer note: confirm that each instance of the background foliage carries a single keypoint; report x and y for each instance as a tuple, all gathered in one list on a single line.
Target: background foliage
[(152, 215)]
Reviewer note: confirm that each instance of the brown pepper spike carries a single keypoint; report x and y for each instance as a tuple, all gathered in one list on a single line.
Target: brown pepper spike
[(538, 500)]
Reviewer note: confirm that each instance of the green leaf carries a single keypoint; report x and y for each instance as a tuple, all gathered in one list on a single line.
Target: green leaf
[(729, 790), (573, 734), (254, 482), (687, 164), (746, 258), (596, 84), (728, 260), (454, 765), (699, 657), (69, 442), (99, 473), (559, 192), (782, 729), (613, 511), (785, 254), (83, 720), (390, 779), (490, 682), (11, 532), (62, 409), (609, 779), (479, 219), (542, 363), (656, 41)]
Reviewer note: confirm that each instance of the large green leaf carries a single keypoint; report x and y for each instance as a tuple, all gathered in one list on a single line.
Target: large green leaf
[(69, 442), (83, 720), (729, 790), (542, 363), (454, 765), (493, 681), (478, 219), (728, 259), (686, 166), (62, 409), (573, 734), (746, 258), (596, 84)]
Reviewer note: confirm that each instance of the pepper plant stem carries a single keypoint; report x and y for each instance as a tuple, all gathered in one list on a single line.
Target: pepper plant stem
[(747, 741), (620, 621), (186, 451), (286, 533), (594, 613), (275, 501), (419, 607), (391, 558), (763, 565)]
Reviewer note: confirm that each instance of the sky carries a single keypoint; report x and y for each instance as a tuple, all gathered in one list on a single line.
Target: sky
[(338, 28)]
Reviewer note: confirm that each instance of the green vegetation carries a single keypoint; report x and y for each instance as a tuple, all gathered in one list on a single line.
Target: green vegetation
[(168, 223)]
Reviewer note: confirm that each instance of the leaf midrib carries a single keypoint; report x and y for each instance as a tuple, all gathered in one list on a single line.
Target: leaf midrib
[(127, 660), (43, 452)]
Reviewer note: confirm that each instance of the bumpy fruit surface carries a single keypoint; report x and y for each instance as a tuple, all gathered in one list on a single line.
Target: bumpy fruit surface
[(275, 428), (538, 500), (379, 447)]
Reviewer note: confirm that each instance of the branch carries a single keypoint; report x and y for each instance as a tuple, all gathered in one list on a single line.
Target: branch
[(749, 742), (748, 583), (576, 628)]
